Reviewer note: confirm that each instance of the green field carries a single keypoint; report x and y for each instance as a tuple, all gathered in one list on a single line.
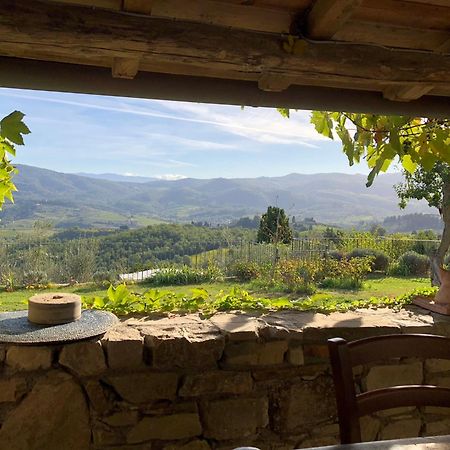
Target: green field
[(373, 287)]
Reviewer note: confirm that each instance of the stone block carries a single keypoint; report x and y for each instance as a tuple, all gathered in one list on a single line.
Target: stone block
[(122, 418), (11, 389), (237, 327), (316, 353), (217, 382), (400, 429), (241, 353), (438, 428), (394, 375), (83, 358), (172, 427), (370, 428), (400, 411), (54, 415), (29, 358), (250, 353), (272, 353), (235, 418), (307, 403), (436, 410), (437, 365), (104, 436), (295, 355), (144, 387), (172, 352), (192, 445), (99, 398), (124, 348), (439, 380)]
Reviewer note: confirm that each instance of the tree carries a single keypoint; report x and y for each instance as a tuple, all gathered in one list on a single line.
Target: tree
[(274, 227), (433, 186), (419, 144), (381, 140), (12, 130)]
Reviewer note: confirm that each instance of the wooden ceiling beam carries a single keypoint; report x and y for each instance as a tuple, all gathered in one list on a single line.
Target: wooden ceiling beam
[(53, 32), (138, 6), (407, 93), (28, 74), (327, 17)]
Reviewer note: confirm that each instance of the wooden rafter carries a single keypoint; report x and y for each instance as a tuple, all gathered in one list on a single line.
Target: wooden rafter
[(407, 93), (125, 67), (328, 16)]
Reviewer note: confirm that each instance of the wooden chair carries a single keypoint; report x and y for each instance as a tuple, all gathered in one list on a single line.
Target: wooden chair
[(346, 355)]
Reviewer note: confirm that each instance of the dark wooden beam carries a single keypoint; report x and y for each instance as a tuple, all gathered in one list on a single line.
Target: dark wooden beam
[(29, 74), (93, 37), (328, 16)]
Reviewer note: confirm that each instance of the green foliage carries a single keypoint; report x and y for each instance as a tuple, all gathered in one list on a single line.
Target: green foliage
[(380, 261), (303, 276), (345, 273), (425, 185), (121, 300), (274, 227), (246, 271), (380, 140), (12, 129), (184, 275), (412, 263)]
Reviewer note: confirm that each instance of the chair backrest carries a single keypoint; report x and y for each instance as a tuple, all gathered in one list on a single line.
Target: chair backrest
[(345, 356)]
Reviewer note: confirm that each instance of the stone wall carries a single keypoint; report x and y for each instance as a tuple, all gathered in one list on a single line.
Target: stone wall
[(199, 384)]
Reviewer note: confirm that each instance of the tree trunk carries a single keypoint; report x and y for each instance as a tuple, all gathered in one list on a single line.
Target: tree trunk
[(438, 260)]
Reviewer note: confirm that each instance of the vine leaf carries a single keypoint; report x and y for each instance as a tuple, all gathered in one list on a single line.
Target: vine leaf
[(12, 127)]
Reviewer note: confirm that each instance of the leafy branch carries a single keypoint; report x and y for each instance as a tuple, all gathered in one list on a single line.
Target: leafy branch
[(12, 129)]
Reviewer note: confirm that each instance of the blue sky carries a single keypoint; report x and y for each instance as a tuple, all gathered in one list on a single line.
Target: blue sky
[(97, 134)]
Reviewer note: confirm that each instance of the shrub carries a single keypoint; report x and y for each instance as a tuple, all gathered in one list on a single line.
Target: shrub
[(346, 273), (413, 263), (335, 254), (34, 277), (380, 259), (185, 275), (246, 271), (104, 276)]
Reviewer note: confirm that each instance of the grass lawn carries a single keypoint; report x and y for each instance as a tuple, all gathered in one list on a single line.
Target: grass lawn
[(373, 287)]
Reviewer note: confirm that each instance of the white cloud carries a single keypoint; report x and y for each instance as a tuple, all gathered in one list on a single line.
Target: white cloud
[(170, 177), (264, 125)]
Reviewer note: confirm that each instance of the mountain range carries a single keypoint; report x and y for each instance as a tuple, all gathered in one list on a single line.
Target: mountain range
[(108, 200)]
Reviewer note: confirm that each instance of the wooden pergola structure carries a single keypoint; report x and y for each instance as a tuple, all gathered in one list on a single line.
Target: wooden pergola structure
[(390, 56)]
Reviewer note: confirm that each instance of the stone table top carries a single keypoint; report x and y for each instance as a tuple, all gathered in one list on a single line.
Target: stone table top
[(290, 324)]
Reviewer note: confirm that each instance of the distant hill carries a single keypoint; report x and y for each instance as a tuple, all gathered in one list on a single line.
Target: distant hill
[(72, 200), (413, 222), (117, 177)]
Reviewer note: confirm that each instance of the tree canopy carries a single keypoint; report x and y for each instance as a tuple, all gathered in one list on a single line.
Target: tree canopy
[(381, 140), (433, 186), (12, 129), (274, 227)]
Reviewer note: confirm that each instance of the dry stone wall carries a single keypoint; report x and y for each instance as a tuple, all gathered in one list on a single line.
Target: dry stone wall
[(201, 384)]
